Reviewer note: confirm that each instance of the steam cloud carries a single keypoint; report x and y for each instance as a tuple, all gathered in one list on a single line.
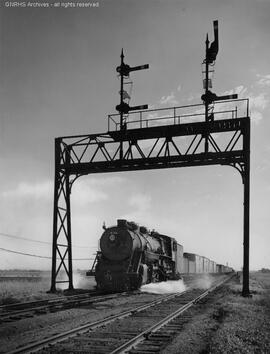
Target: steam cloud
[(79, 282), (165, 287), (203, 282)]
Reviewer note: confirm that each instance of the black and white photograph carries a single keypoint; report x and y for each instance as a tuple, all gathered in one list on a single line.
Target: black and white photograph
[(135, 169)]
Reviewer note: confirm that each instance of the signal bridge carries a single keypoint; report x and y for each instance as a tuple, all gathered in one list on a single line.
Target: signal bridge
[(151, 139), (214, 133)]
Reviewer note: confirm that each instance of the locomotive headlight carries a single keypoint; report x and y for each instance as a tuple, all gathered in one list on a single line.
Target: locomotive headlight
[(112, 237)]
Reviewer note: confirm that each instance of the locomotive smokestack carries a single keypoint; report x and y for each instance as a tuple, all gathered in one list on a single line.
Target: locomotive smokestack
[(122, 223)]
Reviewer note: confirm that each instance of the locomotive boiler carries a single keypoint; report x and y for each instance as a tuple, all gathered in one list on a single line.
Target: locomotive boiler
[(130, 256)]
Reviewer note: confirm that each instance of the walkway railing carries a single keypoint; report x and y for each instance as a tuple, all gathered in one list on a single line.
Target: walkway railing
[(179, 115)]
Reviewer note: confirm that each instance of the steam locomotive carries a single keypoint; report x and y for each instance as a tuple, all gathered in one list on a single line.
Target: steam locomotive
[(130, 256)]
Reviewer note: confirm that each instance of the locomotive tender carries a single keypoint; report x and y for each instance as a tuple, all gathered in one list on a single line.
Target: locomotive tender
[(131, 256)]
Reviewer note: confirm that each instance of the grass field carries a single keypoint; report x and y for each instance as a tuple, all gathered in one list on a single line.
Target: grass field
[(246, 324), (20, 286), (231, 324), (12, 291), (261, 278)]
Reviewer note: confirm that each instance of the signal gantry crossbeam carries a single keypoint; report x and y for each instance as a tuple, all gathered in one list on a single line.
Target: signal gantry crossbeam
[(152, 139)]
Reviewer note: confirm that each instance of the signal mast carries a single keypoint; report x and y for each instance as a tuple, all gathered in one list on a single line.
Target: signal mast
[(209, 97), (123, 108)]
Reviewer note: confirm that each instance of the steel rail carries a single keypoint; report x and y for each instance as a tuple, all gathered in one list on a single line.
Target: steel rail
[(40, 302), (60, 304), (33, 347), (124, 348)]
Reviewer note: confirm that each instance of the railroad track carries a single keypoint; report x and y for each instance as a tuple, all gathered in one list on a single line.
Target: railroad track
[(19, 311), (146, 328), (16, 312)]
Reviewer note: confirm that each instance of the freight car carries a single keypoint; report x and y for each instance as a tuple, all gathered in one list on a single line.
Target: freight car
[(130, 255), (194, 263), (223, 269)]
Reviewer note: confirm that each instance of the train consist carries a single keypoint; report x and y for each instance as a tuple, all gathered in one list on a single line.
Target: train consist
[(130, 256)]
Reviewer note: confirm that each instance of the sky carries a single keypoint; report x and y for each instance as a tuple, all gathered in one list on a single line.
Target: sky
[(58, 78)]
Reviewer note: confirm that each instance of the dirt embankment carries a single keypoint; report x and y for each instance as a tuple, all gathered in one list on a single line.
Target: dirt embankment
[(229, 323)]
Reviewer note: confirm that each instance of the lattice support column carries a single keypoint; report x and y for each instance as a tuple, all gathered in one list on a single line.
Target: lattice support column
[(61, 249)]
